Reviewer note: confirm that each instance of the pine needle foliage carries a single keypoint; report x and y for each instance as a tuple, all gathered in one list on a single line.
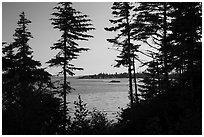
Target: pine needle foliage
[(74, 27)]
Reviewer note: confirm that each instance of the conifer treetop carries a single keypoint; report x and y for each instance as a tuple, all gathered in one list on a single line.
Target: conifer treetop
[(24, 58), (72, 21), (74, 27)]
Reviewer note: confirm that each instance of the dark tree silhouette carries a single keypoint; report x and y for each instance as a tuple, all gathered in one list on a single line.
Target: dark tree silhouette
[(173, 106), (8, 76), (28, 102), (123, 23), (150, 86), (186, 43), (74, 26), (154, 20), (171, 92), (80, 124)]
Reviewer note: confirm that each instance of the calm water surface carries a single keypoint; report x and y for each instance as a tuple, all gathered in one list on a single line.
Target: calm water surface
[(100, 94)]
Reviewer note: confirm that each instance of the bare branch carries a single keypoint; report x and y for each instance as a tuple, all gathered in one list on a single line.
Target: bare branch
[(150, 45), (144, 53)]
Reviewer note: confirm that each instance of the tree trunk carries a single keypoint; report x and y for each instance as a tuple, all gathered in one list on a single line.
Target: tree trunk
[(64, 85), (129, 57), (135, 81)]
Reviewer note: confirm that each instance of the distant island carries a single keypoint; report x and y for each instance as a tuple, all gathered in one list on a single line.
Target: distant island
[(114, 81), (107, 76)]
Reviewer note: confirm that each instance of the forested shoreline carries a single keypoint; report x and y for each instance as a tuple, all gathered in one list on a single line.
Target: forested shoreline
[(168, 102), (118, 75), (106, 76)]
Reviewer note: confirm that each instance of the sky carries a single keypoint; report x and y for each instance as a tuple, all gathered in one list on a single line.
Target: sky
[(100, 58)]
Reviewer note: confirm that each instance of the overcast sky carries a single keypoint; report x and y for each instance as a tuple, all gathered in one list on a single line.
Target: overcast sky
[(98, 59)]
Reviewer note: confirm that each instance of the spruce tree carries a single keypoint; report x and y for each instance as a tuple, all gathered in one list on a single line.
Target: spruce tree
[(20, 64), (25, 64), (186, 42), (74, 26), (154, 19), (175, 31), (169, 27), (28, 71), (28, 100), (123, 23)]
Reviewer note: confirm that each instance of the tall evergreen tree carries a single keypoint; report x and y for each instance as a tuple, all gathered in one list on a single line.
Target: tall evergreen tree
[(186, 42), (28, 101), (28, 70), (154, 19), (123, 23), (179, 48), (74, 26), (22, 61), (24, 56)]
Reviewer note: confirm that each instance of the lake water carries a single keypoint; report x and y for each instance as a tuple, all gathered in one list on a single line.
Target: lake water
[(100, 94)]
